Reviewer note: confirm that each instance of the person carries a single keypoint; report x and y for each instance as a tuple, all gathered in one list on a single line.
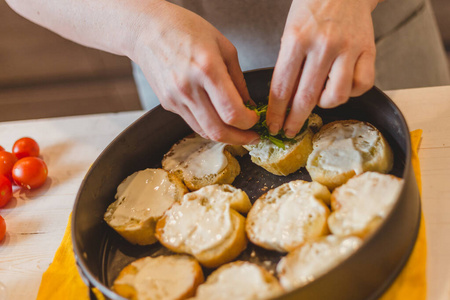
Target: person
[(192, 52)]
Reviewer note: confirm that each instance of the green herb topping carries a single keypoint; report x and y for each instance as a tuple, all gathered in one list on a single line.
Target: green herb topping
[(263, 130)]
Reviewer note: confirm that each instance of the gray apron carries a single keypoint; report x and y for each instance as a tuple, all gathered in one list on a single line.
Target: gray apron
[(409, 48)]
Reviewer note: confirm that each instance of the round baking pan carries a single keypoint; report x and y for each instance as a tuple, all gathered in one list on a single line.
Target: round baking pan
[(101, 253)]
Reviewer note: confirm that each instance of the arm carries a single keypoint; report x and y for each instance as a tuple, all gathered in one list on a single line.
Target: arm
[(192, 67), (327, 54)]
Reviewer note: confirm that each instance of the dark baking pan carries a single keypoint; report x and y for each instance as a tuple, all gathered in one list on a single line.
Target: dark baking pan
[(101, 253)]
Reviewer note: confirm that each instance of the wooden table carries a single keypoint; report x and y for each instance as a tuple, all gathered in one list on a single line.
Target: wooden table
[(36, 220)]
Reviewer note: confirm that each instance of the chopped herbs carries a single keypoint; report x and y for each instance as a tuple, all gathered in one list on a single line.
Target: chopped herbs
[(261, 127)]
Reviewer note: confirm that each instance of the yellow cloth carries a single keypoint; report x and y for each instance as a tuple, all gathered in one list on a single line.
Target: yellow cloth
[(62, 281)]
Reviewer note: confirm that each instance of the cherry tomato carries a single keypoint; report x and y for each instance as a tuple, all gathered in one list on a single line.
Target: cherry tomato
[(2, 228), (25, 147), (7, 161), (1, 148), (5, 190), (30, 172)]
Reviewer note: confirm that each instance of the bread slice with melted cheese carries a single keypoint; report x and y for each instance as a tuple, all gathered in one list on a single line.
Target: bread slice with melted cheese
[(239, 280), (343, 149), (285, 161), (199, 162), (313, 259), (173, 277), (206, 225), (141, 200), (289, 215), (360, 205)]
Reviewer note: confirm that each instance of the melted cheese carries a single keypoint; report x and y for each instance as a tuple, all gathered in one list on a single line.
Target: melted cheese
[(162, 277), (363, 199), (143, 195), (344, 146), (290, 214), (313, 259), (237, 281), (197, 225), (196, 157)]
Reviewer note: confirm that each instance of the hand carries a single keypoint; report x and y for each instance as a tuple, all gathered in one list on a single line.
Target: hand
[(327, 54), (194, 71)]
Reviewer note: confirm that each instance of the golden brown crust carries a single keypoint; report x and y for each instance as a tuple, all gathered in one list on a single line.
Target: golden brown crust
[(284, 162)]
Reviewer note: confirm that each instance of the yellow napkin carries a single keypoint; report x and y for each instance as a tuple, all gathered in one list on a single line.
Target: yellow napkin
[(62, 281)]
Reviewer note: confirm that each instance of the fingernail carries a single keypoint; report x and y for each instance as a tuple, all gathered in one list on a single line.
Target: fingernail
[(274, 129), (289, 133), (255, 142)]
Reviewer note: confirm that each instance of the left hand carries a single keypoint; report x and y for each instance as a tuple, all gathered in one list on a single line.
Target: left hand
[(327, 55)]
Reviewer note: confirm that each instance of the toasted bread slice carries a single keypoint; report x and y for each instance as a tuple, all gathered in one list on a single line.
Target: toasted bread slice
[(285, 161), (361, 204), (141, 200), (173, 277), (313, 259), (343, 149), (289, 215), (239, 280), (206, 225), (199, 162)]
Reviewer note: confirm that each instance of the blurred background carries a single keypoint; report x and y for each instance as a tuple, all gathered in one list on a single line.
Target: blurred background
[(43, 75)]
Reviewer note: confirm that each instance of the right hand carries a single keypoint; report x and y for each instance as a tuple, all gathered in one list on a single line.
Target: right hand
[(194, 71)]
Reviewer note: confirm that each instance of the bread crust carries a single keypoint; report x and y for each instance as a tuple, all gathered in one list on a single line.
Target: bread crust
[(283, 162), (129, 291), (143, 232), (381, 160)]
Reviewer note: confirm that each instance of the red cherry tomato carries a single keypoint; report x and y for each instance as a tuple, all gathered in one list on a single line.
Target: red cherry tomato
[(5, 190), (25, 147), (7, 161), (1, 148), (30, 172), (2, 228)]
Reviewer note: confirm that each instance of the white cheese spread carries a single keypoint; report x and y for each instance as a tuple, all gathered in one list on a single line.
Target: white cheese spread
[(143, 195), (237, 281), (197, 157), (162, 277), (362, 200), (313, 259), (344, 147), (197, 225)]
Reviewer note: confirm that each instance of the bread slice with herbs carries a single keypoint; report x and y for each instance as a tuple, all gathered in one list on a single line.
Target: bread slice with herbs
[(141, 200), (289, 215), (282, 156), (239, 280), (206, 225), (343, 149), (174, 277), (361, 204), (199, 162)]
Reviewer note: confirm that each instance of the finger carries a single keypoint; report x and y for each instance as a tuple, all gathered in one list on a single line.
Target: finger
[(224, 96), (312, 81), (284, 82), (364, 74), (231, 60), (210, 122), (339, 84)]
